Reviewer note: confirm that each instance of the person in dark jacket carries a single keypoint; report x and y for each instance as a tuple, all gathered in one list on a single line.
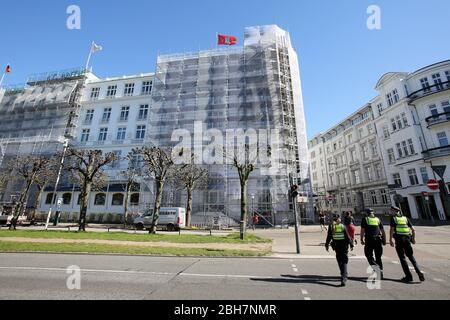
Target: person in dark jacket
[(340, 241), (350, 224), (373, 237)]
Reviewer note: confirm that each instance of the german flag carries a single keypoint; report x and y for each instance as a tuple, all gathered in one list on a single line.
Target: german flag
[(8, 69)]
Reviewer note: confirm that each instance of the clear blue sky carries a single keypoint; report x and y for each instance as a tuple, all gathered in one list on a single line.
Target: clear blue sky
[(341, 60)]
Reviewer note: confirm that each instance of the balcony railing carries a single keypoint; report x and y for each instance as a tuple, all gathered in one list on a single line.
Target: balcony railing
[(429, 90), (438, 118), (436, 152)]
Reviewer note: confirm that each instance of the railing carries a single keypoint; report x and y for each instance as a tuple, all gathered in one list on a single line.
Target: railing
[(436, 152), (438, 118), (429, 90)]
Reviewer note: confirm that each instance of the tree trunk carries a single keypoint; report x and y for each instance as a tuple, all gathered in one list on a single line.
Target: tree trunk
[(85, 192), (37, 203), (158, 200), (243, 208), (19, 207), (127, 201), (190, 193)]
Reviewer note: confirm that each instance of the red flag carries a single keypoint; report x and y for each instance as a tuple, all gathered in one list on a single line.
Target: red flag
[(227, 40), (8, 69)]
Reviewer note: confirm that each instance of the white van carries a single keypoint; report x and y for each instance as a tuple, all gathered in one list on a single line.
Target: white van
[(170, 218)]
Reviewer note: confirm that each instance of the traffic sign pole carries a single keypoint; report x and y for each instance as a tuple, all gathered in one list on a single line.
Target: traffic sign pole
[(294, 203)]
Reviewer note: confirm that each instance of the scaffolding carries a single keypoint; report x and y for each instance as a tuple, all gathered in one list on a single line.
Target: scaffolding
[(238, 87)]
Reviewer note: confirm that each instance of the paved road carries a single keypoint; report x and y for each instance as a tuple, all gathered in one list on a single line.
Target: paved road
[(43, 276)]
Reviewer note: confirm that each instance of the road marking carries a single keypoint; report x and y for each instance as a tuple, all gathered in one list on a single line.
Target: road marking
[(307, 298), (295, 269), (395, 262), (141, 272), (304, 292), (438, 280)]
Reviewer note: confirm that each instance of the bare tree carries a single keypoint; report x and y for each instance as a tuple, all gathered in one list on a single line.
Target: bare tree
[(86, 168), (45, 177), (28, 169), (189, 177), (131, 176), (158, 166)]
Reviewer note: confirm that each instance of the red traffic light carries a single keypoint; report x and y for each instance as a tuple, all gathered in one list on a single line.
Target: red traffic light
[(294, 191)]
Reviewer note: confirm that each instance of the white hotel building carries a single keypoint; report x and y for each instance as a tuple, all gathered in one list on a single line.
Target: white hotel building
[(411, 125)]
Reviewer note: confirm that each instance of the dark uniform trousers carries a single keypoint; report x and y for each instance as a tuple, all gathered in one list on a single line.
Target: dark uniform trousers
[(341, 248), (374, 245), (404, 249)]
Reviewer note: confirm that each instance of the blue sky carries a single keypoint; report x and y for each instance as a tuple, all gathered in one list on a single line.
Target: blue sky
[(341, 59)]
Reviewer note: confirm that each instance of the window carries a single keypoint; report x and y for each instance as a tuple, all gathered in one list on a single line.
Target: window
[(353, 155), (85, 135), (413, 177), (399, 150), (124, 113), (433, 110), (425, 84), (103, 134), (129, 90), (116, 162), (447, 74), (117, 199), (384, 197), (390, 100), (134, 199), (350, 138), (140, 132), (404, 119), (121, 134), (368, 173), (136, 161), (95, 92), (106, 115), (146, 87), (346, 182), (378, 172), (331, 180), (391, 155), (397, 179), (49, 198), (394, 124), (442, 138), (112, 91), (143, 112), (411, 146), (424, 174), (405, 149), (380, 109), (100, 199), (67, 198), (396, 96), (374, 148), (386, 133), (373, 195), (364, 151), (437, 81), (399, 122), (356, 177), (89, 117), (370, 129)]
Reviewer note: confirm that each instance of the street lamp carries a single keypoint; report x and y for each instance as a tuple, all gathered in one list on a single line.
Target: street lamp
[(253, 211)]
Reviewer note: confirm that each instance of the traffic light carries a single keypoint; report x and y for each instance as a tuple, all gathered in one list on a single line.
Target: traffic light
[(294, 191)]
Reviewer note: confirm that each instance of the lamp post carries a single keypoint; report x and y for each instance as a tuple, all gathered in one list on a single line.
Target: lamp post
[(253, 212)]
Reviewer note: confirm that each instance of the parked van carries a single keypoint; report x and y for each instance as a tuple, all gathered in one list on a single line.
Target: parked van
[(173, 219)]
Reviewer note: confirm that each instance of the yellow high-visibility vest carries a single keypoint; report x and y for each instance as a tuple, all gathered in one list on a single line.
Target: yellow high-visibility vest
[(401, 227), (340, 232)]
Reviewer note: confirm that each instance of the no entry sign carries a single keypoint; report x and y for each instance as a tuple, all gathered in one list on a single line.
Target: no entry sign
[(433, 184)]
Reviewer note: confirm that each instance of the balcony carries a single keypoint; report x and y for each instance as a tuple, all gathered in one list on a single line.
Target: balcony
[(437, 119), (424, 92), (436, 152)]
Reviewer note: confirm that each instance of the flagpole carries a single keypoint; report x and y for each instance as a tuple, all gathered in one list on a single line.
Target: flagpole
[(3, 78), (89, 56)]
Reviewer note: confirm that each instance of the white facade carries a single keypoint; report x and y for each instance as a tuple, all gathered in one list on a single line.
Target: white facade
[(413, 121), (113, 118), (346, 166)]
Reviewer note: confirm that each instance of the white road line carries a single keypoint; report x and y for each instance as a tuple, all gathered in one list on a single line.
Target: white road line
[(304, 292), (438, 280), (395, 262), (294, 266), (295, 269), (307, 298)]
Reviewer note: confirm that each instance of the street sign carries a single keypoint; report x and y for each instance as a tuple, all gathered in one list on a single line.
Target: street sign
[(433, 184), (440, 170)]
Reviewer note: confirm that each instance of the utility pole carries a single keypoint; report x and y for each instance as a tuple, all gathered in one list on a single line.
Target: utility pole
[(293, 195)]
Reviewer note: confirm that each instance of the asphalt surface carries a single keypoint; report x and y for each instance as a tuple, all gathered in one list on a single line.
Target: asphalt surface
[(44, 276)]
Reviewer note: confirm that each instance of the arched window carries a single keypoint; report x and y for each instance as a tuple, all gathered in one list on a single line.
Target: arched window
[(100, 199), (117, 199), (67, 198), (49, 198), (134, 199)]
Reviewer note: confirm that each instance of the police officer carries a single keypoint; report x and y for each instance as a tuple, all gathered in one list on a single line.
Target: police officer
[(374, 238), (340, 242), (404, 234)]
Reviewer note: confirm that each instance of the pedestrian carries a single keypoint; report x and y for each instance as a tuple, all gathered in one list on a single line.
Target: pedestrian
[(322, 221), (255, 220), (404, 234), (340, 241), (350, 225), (373, 237)]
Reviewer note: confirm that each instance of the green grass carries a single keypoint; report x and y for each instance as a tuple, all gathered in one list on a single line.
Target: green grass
[(12, 247), (122, 236)]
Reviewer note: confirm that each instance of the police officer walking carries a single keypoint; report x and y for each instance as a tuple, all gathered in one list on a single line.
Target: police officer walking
[(374, 238), (404, 234), (340, 242)]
